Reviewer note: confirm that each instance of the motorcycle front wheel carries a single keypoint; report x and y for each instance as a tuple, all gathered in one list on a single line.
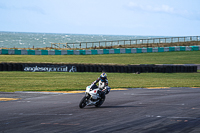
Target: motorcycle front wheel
[(83, 101)]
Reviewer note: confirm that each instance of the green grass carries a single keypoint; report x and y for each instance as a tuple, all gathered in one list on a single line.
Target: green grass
[(61, 81), (55, 81), (182, 57)]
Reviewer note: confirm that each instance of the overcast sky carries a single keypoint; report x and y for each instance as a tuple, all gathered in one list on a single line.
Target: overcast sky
[(108, 17)]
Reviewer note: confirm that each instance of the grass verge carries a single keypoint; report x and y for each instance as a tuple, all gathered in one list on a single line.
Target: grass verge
[(61, 81), (182, 57)]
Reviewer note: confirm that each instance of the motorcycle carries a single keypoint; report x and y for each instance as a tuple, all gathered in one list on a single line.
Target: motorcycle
[(93, 96)]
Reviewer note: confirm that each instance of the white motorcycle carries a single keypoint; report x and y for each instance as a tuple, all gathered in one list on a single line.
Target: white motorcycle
[(93, 96)]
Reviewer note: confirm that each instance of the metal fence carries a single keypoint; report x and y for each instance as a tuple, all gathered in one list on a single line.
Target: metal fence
[(99, 44)]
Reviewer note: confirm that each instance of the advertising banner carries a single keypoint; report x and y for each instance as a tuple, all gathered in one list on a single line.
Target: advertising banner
[(49, 68)]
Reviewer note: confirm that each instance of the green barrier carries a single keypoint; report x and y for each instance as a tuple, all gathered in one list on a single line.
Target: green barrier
[(94, 52), (44, 52), (194, 48), (57, 52), (171, 49), (102, 51), (149, 50), (70, 52), (117, 51), (4, 51), (31, 52), (17, 51), (128, 50), (82, 52), (105, 51), (139, 50), (161, 49), (182, 48)]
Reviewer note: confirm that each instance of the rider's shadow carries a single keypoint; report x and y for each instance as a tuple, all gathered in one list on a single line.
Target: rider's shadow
[(92, 107)]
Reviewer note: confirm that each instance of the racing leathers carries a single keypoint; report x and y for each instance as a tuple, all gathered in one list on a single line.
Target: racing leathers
[(103, 86)]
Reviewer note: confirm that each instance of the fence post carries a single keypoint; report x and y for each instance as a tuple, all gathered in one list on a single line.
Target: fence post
[(130, 42), (124, 42), (136, 41), (197, 38), (73, 45), (105, 44), (99, 44), (165, 40), (86, 44), (59, 45), (184, 39), (178, 39), (66, 45)]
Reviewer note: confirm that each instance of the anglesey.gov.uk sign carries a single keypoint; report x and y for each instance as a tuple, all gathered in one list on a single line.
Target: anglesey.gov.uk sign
[(50, 68)]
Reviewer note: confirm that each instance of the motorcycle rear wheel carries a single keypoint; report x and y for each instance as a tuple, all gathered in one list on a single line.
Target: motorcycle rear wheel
[(101, 101), (83, 101)]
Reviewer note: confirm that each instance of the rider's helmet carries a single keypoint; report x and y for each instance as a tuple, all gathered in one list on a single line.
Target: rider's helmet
[(103, 77)]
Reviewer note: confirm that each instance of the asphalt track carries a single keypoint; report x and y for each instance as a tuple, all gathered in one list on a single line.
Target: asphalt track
[(166, 110)]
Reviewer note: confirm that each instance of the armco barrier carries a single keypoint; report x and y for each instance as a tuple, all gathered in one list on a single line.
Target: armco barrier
[(144, 50), (82, 52), (63, 52), (155, 50), (149, 50), (88, 52), (17, 52), (38, 52), (24, 52), (31, 52), (57, 52), (122, 51), (94, 52), (76, 52), (171, 49), (96, 68), (195, 48), (51, 52), (70, 52), (166, 49), (105, 51), (100, 51), (177, 48), (117, 51), (44, 52), (111, 51), (4, 51), (128, 50), (161, 49), (11, 51)]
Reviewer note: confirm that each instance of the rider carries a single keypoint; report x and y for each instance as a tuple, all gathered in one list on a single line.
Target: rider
[(103, 84)]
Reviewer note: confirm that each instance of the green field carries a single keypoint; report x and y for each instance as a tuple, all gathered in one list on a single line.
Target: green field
[(62, 81), (184, 57)]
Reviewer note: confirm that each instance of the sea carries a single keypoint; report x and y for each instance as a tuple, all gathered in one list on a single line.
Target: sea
[(42, 40)]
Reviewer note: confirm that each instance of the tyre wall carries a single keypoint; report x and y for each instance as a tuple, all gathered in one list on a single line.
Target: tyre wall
[(42, 67)]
